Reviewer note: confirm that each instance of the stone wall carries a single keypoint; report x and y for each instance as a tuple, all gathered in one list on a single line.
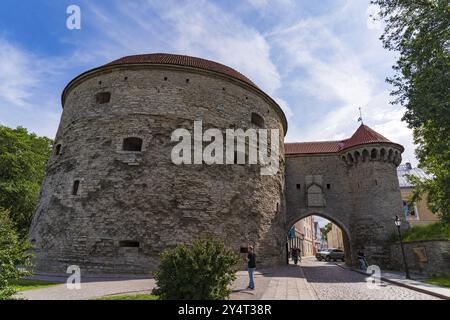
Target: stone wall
[(130, 205), (427, 258)]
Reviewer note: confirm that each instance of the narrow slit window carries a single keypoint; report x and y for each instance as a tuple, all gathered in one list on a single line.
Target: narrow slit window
[(132, 144), (58, 149), (76, 186)]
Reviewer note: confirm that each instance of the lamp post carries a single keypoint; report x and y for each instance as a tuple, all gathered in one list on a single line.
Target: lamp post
[(398, 222)]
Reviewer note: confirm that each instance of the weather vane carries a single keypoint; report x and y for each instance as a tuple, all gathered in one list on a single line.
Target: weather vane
[(360, 116)]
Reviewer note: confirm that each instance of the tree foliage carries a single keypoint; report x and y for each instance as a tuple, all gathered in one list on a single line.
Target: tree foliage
[(202, 271), (419, 31), (14, 253), (23, 157), (326, 229)]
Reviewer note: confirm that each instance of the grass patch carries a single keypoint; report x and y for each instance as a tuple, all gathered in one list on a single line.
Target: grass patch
[(25, 284), (131, 297), (439, 281), (434, 231)]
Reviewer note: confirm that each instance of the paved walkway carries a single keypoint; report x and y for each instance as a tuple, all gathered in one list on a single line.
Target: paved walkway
[(417, 284), (282, 283), (91, 288), (312, 280)]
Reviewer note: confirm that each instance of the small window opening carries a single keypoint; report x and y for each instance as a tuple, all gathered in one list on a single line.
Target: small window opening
[(126, 78), (165, 78), (58, 149), (298, 185), (187, 80), (257, 119), (103, 97), (132, 144), (129, 244), (328, 186), (99, 82), (76, 186)]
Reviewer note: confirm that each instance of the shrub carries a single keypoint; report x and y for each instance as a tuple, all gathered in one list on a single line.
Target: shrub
[(202, 271), (435, 231), (13, 253)]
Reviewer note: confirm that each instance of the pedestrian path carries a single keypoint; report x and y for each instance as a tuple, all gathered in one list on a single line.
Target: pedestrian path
[(281, 283), (91, 288)]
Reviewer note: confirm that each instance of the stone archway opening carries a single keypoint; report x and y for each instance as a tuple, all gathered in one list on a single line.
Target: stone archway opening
[(316, 232)]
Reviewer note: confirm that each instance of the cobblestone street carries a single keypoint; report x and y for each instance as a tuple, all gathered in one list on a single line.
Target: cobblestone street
[(330, 281)]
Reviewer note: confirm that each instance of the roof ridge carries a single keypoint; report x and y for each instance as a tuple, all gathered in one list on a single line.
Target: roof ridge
[(363, 135)]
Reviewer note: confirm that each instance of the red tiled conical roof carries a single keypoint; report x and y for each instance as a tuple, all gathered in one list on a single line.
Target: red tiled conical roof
[(363, 135), (182, 60)]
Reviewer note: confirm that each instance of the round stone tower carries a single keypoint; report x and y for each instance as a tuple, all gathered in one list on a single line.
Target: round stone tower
[(112, 199), (371, 163)]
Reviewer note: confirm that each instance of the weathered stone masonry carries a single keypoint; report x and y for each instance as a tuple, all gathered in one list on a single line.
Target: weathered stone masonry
[(112, 200)]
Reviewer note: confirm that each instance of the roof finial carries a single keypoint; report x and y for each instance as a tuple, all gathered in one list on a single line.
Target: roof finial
[(360, 116)]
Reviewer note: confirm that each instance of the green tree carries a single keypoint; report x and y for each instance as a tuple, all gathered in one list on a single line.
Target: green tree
[(326, 229), (23, 157), (15, 258), (419, 31), (202, 271)]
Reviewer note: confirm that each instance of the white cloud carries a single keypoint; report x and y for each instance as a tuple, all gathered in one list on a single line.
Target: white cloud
[(336, 73), (27, 93), (197, 28), (17, 74)]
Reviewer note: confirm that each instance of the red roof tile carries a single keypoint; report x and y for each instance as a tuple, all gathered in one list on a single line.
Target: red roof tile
[(182, 60), (312, 147), (363, 135)]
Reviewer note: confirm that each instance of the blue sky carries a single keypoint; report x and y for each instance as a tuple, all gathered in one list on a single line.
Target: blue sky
[(320, 60)]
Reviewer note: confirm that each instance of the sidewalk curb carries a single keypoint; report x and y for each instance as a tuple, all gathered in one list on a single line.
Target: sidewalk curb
[(401, 284), (309, 285)]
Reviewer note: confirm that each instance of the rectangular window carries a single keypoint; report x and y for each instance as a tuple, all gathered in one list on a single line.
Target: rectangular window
[(129, 244), (103, 97), (257, 120)]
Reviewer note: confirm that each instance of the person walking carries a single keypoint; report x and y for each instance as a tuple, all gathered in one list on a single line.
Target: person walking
[(251, 266), (295, 255), (362, 260)]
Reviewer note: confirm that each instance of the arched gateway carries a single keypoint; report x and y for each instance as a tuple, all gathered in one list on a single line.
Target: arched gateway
[(112, 200), (352, 182)]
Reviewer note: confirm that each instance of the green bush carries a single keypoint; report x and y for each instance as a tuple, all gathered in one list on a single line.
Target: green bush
[(435, 231), (14, 252), (202, 271)]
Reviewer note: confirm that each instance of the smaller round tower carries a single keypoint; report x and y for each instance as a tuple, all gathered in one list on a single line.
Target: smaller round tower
[(372, 161)]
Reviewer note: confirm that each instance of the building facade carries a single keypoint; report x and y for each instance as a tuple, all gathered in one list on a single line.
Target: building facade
[(416, 213), (335, 238), (112, 200)]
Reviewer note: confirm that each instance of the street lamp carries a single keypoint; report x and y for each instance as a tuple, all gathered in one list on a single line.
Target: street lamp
[(398, 222)]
